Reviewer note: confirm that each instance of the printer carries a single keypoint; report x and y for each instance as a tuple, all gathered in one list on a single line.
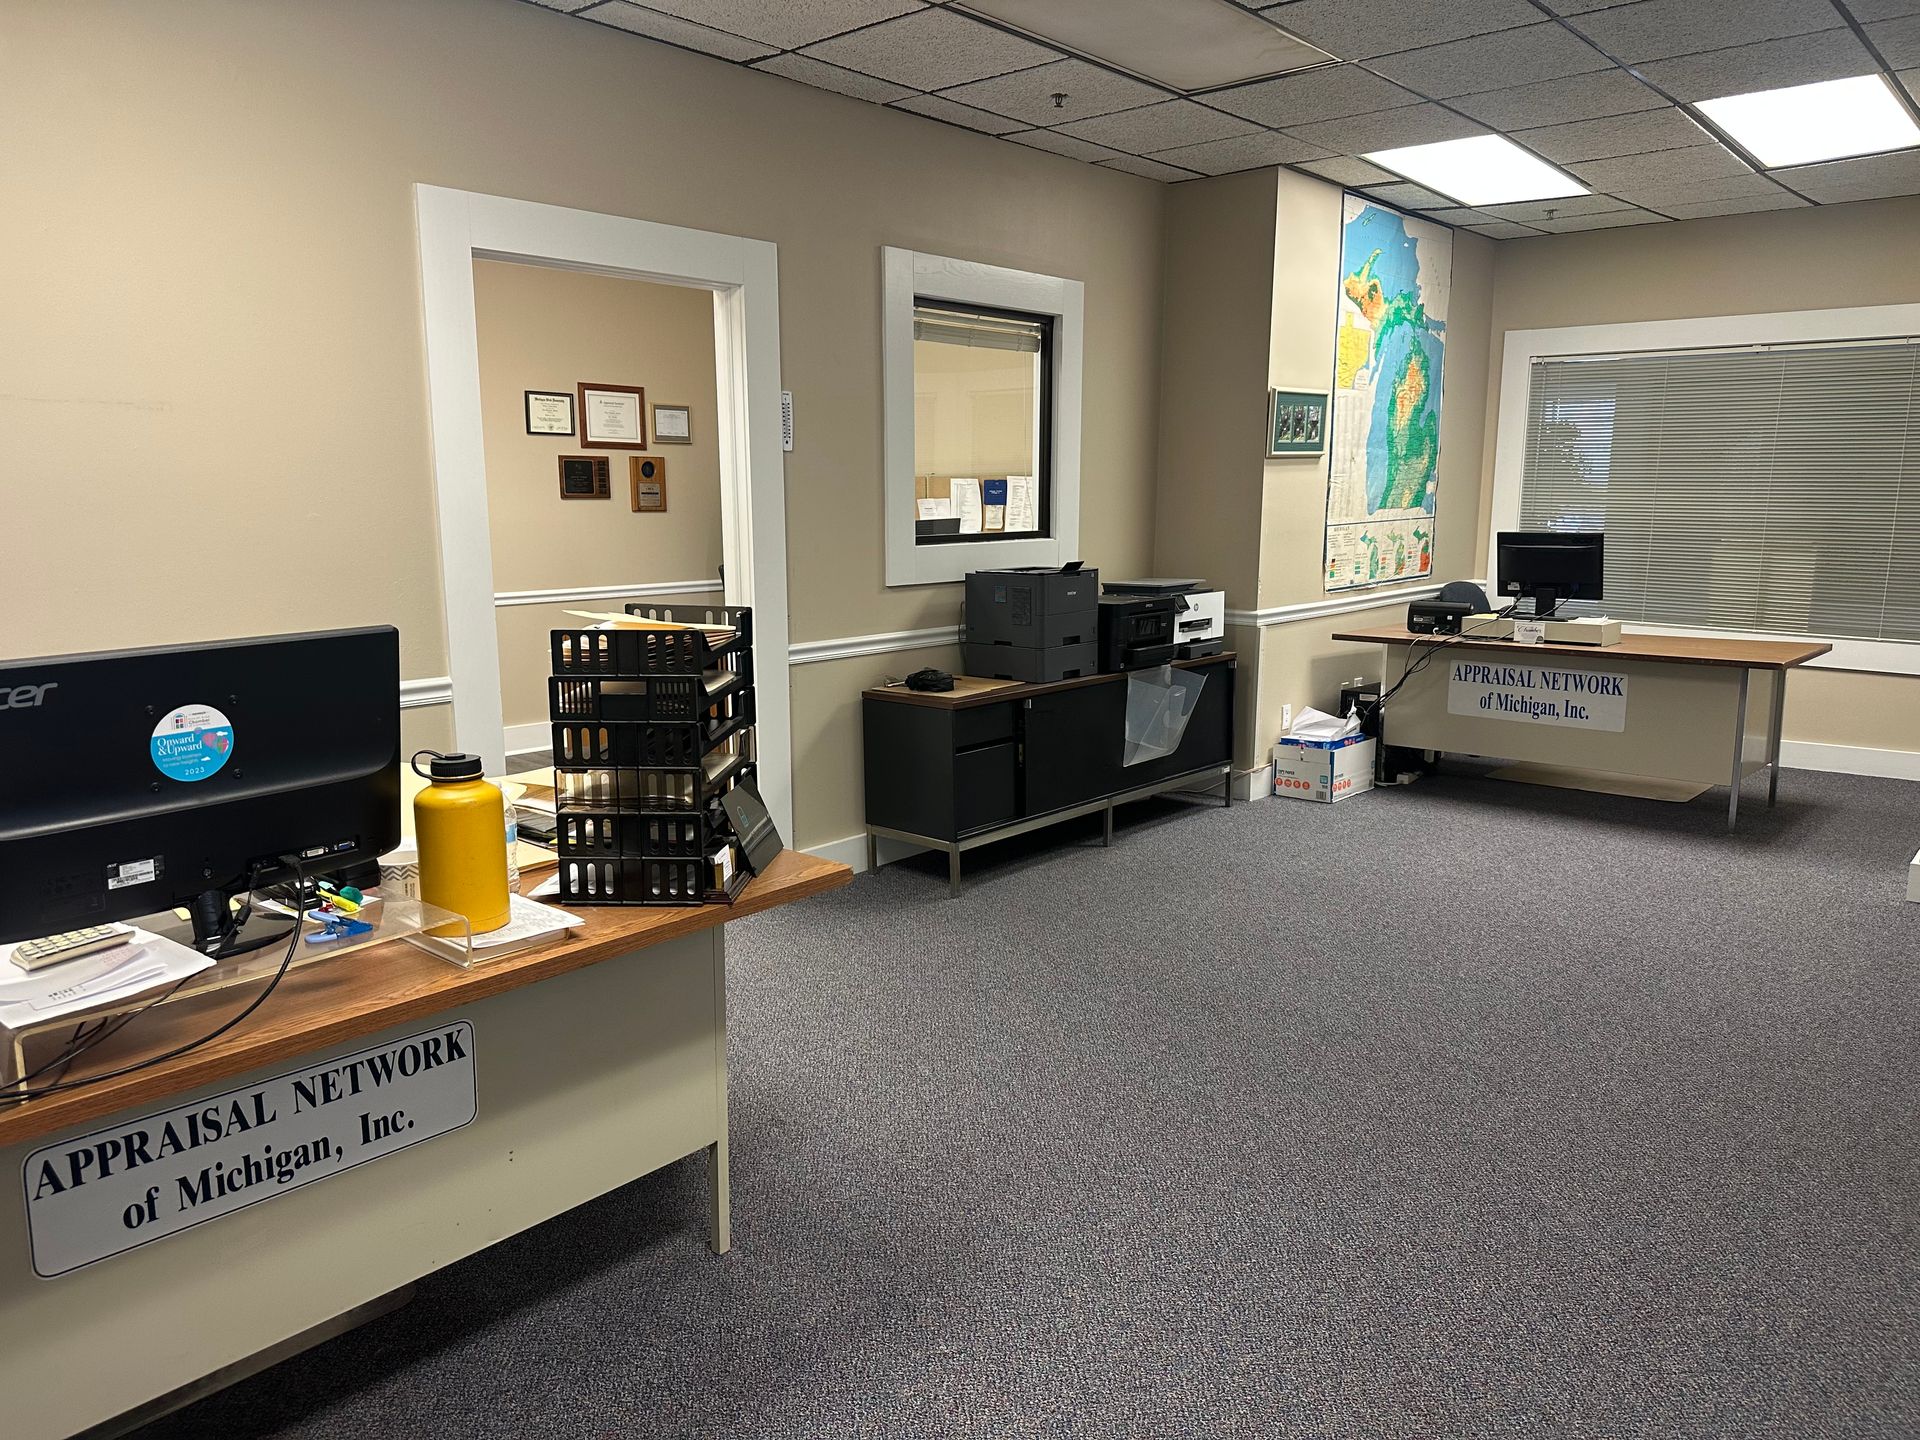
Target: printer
[(1136, 631), (1033, 623), (1199, 616)]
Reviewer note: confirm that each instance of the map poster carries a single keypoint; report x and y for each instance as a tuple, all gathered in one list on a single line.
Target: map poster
[(1390, 349)]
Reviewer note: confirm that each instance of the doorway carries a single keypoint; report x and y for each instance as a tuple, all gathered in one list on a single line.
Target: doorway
[(459, 228)]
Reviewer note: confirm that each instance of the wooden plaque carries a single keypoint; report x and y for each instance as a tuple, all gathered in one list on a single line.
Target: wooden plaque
[(649, 481), (586, 477)]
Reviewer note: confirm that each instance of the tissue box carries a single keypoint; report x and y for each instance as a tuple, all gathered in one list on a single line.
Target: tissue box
[(1324, 770)]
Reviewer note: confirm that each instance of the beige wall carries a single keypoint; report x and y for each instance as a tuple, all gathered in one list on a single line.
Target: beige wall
[(1812, 259), (222, 338), (546, 329)]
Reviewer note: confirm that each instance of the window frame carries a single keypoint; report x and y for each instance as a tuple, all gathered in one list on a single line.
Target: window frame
[(910, 277), (1523, 347)]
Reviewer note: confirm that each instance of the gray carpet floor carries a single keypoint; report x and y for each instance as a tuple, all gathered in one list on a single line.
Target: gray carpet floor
[(1468, 1109)]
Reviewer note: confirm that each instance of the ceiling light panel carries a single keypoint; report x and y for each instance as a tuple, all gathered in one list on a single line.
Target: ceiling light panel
[(1805, 124), (1480, 170), (1184, 44)]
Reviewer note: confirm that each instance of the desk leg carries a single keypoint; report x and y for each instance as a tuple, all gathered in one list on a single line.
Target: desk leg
[(1773, 735), (1739, 746), (953, 871), (1106, 817), (719, 1198)]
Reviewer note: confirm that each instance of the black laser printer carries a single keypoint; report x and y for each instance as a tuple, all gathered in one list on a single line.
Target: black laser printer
[(1033, 623)]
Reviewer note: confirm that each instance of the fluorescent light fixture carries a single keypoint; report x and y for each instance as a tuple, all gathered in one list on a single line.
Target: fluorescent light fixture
[(1481, 170), (1804, 124)]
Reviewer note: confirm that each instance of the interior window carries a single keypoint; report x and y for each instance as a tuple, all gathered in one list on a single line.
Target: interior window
[(982, 454)]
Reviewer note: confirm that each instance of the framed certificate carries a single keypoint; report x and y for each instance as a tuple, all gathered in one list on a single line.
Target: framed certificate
[(672, 425), (647, 474), (549, 412), (613, 417)]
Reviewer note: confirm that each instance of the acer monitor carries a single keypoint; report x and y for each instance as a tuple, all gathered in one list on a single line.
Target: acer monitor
[(136, 781), (1548, 566)]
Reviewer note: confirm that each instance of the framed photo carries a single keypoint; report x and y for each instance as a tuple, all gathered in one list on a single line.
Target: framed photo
[(613, 417), (549, 412), (586, 477), (1296, 423), (672, 425), (647, 474)]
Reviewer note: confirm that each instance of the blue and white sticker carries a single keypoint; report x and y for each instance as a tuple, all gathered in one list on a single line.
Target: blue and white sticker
[(192, 742)]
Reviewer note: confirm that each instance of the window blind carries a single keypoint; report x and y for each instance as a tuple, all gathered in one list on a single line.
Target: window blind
[(1773, 489)]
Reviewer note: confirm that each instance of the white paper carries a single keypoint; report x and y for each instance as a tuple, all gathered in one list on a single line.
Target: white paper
[(965, 494), (531, 920), (71, 987), (940, 509), (1023, 504), (1529, 632), (1312, 724), (548, 886)]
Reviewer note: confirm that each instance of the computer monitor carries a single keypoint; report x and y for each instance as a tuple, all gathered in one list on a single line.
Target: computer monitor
[(134, 781), (1548, 566)]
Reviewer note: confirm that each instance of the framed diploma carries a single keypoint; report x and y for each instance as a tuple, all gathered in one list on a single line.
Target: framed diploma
[(613, 417), (549, 412), (648, 476), (586, 477), (672, 425)]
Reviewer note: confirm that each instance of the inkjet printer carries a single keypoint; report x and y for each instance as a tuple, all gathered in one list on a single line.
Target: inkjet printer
[(1199, 616)]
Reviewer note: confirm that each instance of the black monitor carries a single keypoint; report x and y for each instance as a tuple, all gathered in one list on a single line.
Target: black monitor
[(134, 781), (1548, 566)]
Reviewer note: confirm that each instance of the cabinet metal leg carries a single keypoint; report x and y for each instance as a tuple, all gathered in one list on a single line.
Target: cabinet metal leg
[(873, 851), (953, 871), (1107, 818)]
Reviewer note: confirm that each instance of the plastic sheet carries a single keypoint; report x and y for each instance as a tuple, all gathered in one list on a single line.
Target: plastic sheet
[(1159, 704)]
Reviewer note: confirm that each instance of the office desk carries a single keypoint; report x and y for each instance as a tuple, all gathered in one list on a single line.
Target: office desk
[(597, 1059), (1688, 708), (992, 758)]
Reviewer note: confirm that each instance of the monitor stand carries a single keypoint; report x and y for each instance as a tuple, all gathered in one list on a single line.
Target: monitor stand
[(1545, 602), (210, 913)]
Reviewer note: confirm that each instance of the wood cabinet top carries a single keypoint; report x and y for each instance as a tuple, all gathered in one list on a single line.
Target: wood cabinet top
[(1673, 649), (367, 991), (971, 690)]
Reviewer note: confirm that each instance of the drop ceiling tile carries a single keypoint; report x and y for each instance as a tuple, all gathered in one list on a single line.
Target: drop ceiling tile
[(1611, 220), (1488, 62), (1555, 102), (939, 108), (1531, 212), (1459, 215), (1696, 209), (1241, 152), (1387, 129), (1662, 167), (1770, 65), (1028, 94), (1577, 7), (1898, 40), (1911, 79), (1504, 230), (791, 23), (1147, 169), (1872, 177), (932, 50), (1405, 196), (1867, 11), (565, 6), (1345, 170), (1158, 127), (1660, 194), (1359, 32), (1070, 146), (1635, 134), (675, 31), (831, 77), (1656, 29), (1324, 94)]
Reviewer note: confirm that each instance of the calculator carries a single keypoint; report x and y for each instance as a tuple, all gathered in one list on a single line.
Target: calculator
[(70, 945)]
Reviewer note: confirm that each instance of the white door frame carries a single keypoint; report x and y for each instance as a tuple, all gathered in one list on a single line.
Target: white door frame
[(458, 226)]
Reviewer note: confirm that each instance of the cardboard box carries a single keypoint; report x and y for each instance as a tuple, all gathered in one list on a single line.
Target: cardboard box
[(1324, 770), (1913, 879)]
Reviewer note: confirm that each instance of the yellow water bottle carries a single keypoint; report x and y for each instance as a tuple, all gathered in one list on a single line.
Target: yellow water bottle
[(460, 823)]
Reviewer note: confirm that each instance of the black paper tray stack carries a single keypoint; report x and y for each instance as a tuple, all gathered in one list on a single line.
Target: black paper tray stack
[(650, 729)]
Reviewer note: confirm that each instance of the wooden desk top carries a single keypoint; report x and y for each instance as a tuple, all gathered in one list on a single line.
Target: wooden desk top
[(368, 991), (1673, 649), (971, 690)]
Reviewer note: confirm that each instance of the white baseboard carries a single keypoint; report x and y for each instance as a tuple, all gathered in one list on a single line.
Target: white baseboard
[(521, 739), (1253, 784), (852, 851), (1850, 760)]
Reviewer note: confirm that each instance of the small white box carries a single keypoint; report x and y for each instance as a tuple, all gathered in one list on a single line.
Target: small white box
[(1587, 630), (1913, 879), (1323, 770)]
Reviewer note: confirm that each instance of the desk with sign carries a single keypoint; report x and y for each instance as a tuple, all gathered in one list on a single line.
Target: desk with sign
[(382, 1116), (1691, 709)]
